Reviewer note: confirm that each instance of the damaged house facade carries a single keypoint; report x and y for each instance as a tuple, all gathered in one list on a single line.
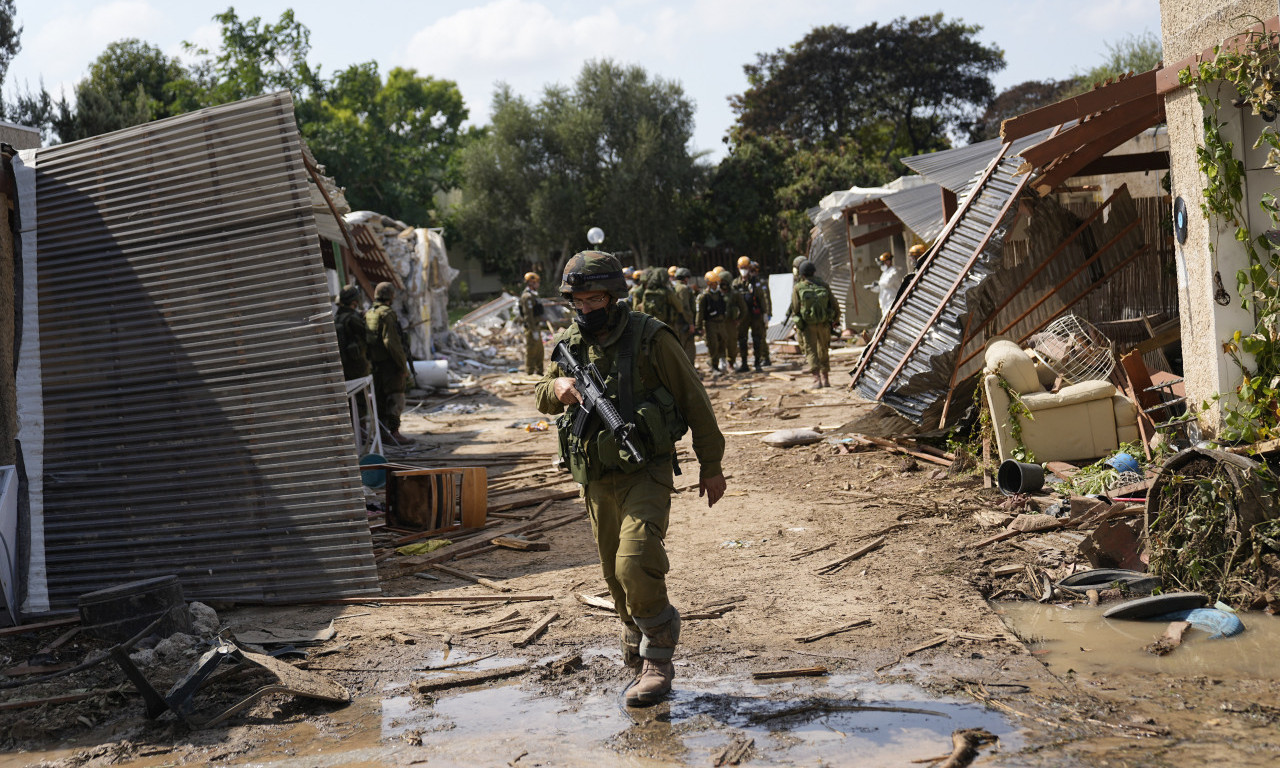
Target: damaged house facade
[(178, 405)]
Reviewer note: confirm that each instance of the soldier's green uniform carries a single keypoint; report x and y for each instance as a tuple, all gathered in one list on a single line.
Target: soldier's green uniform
[(353, 338), (755, 308), (818, 333), (629, 504), (737, 314), (390, 363), (689, 314), (713, 322), (532, 315)]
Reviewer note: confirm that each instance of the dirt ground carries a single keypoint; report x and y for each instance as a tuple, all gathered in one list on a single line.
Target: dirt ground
[(932, 656)]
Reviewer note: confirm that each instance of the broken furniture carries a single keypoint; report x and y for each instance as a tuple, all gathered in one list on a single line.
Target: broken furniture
[(121, 610), (364, 422), (1080, 421), (436, 500), (181, 697)]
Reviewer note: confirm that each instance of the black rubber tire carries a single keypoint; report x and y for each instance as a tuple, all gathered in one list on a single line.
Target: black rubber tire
[(1100, 577), (1156, 605)]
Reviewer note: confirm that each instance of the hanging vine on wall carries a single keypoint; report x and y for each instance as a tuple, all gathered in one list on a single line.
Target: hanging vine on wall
[(1252, 72)]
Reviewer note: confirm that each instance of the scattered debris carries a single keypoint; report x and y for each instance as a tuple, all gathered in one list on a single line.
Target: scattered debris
[(836, 631), (537, 629), (467, 680), (800, 672), (1171, 638), (836, 565), (735, 752)]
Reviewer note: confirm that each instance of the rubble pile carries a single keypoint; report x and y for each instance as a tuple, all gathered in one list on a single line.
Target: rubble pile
[(492, 335)]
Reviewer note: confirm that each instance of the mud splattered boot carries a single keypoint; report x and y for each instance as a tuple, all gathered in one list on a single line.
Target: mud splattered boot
[(817, 380), (653, 685), (631, 639), (826, 379)]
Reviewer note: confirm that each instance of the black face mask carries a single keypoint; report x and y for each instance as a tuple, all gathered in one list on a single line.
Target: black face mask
[(594, 321)]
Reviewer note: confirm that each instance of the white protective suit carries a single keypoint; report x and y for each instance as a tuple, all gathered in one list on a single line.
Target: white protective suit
[(890, 280)]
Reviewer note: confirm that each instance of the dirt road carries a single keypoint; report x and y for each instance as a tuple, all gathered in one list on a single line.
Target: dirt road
[(914, 651)]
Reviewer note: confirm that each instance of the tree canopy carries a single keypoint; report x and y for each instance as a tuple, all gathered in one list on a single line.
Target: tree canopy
[(1016, 100), (610, 152)]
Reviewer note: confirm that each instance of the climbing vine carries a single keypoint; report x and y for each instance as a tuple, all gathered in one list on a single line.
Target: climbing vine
[(1251, 71)]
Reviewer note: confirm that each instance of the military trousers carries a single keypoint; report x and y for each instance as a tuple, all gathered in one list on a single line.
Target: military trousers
[(534, 354), (755, 326), (629, 515), (389, 385), (817, 347), (719, 342)]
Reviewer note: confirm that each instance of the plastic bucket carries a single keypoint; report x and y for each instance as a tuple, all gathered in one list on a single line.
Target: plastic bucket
[(431, 373), (1014, 477)]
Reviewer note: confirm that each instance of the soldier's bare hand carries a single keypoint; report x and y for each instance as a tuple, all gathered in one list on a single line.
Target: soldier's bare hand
[(713, 488), (566, 391)]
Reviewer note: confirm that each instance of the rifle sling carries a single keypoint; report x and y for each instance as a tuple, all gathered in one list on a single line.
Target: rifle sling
[(626, 406)]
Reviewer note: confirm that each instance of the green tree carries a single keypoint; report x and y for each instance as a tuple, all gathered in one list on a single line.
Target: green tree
[(1132, 53), (131, 82), (900, 88), (392, 143), (255, 58), (610, 152), (1016, 100)]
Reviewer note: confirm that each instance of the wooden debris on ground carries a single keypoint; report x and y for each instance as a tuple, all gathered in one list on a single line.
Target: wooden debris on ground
[(495, 586), (737, 751), (836, 631), (603, 603), (1171, 638), (835, 565), (474, 678), (520, 544), (964, 746), (798, 672), (537, 629)]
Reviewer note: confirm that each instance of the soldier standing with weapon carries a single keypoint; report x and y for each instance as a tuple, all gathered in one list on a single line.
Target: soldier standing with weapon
[(626, 394)]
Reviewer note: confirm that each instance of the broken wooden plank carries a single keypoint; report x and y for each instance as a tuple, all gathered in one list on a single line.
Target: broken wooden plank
[(522, 545), (21, 628), (26, 669), (1171, 638), (814, 551), (836, 565), (836, 631), (799, 672), (426, 599), (474, 678), (533, 500), (67, 699), (602, 603), (735, 752), (939, 640), (535, 630), (471, 577), (1062, 469)]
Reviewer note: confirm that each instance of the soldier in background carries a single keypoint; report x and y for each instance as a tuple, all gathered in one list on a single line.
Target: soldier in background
[(814, 309), (768, 308), (713, 321), (752, 321), (390, 362), (533, 316), (686, 298), (737, 314), (353, 339)]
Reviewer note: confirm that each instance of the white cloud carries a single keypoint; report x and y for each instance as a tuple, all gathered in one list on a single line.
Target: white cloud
[(66, 44)]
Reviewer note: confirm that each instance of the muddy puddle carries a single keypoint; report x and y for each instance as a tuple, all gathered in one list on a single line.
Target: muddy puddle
[(838, 720), (1077, 638)]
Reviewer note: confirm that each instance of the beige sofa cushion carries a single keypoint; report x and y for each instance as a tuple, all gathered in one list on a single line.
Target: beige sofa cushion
[(1126, 412), (1011, 362), (1084, 392)]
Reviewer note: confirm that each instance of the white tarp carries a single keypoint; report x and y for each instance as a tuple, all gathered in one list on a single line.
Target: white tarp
[(31, 385)]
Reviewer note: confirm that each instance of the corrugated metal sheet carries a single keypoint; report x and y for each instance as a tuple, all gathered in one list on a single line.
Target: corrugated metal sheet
[(919, 209), (955, 168), (918, 389), (195, 412)]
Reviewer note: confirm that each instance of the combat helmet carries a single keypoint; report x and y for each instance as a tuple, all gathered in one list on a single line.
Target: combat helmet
[(348, 294), (384, 292), (594, 271)]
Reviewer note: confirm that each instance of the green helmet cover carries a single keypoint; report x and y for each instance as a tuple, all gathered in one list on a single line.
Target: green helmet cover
[(594, 271)]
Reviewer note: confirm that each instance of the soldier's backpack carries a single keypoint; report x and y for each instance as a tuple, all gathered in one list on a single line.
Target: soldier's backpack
[(656, 300), (815, 303)]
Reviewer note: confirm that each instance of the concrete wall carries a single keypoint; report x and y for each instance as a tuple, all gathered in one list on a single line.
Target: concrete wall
[(1189, 27), (19, 136)]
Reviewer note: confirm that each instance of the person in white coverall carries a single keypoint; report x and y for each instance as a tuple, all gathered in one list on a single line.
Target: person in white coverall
[(890, 280)]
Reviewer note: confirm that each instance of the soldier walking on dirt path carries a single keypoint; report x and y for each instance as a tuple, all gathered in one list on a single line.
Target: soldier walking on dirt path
[(649, 380), (390, 362), (533, 315), (753, 321), (814, 309)]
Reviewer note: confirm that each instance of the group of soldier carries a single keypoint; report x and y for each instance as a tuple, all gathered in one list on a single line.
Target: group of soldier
[(728, 313), (373, 342)]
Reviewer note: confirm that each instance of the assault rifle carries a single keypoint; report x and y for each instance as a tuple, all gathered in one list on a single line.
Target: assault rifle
[(594, 401)]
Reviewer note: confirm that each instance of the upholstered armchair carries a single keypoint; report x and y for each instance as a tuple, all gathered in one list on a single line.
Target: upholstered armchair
[(1087, 420)]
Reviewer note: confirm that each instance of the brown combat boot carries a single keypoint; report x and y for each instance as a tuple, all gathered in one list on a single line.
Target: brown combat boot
[(817, 380), (653, 685), (826, 379)]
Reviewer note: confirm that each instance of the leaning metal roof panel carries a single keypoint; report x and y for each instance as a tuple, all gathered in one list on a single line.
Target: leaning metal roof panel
[(924, 351), (196, 420), (954, 168), (919, 209)]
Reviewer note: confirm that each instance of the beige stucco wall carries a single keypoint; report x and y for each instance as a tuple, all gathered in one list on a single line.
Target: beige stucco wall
[(1189, 27)]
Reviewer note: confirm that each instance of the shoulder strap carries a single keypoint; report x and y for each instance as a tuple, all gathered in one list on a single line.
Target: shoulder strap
[(626, 371)]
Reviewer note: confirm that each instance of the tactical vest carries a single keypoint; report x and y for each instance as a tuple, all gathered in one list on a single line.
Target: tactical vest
[(373, 320), (659, 423), (714, 305), (748, 291)]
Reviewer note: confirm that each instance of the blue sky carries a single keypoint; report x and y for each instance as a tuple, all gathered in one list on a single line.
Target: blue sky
[(529, 43)]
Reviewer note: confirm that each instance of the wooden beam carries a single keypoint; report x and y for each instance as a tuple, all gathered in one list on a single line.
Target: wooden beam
[(1167, 79), (1078, 107), (949, 203), (1070, 166), (884, 216), (1135, 162), (875, 235), (1084, 135)]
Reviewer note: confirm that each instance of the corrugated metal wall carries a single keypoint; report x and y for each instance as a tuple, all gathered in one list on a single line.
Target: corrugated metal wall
[(195, 415)]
